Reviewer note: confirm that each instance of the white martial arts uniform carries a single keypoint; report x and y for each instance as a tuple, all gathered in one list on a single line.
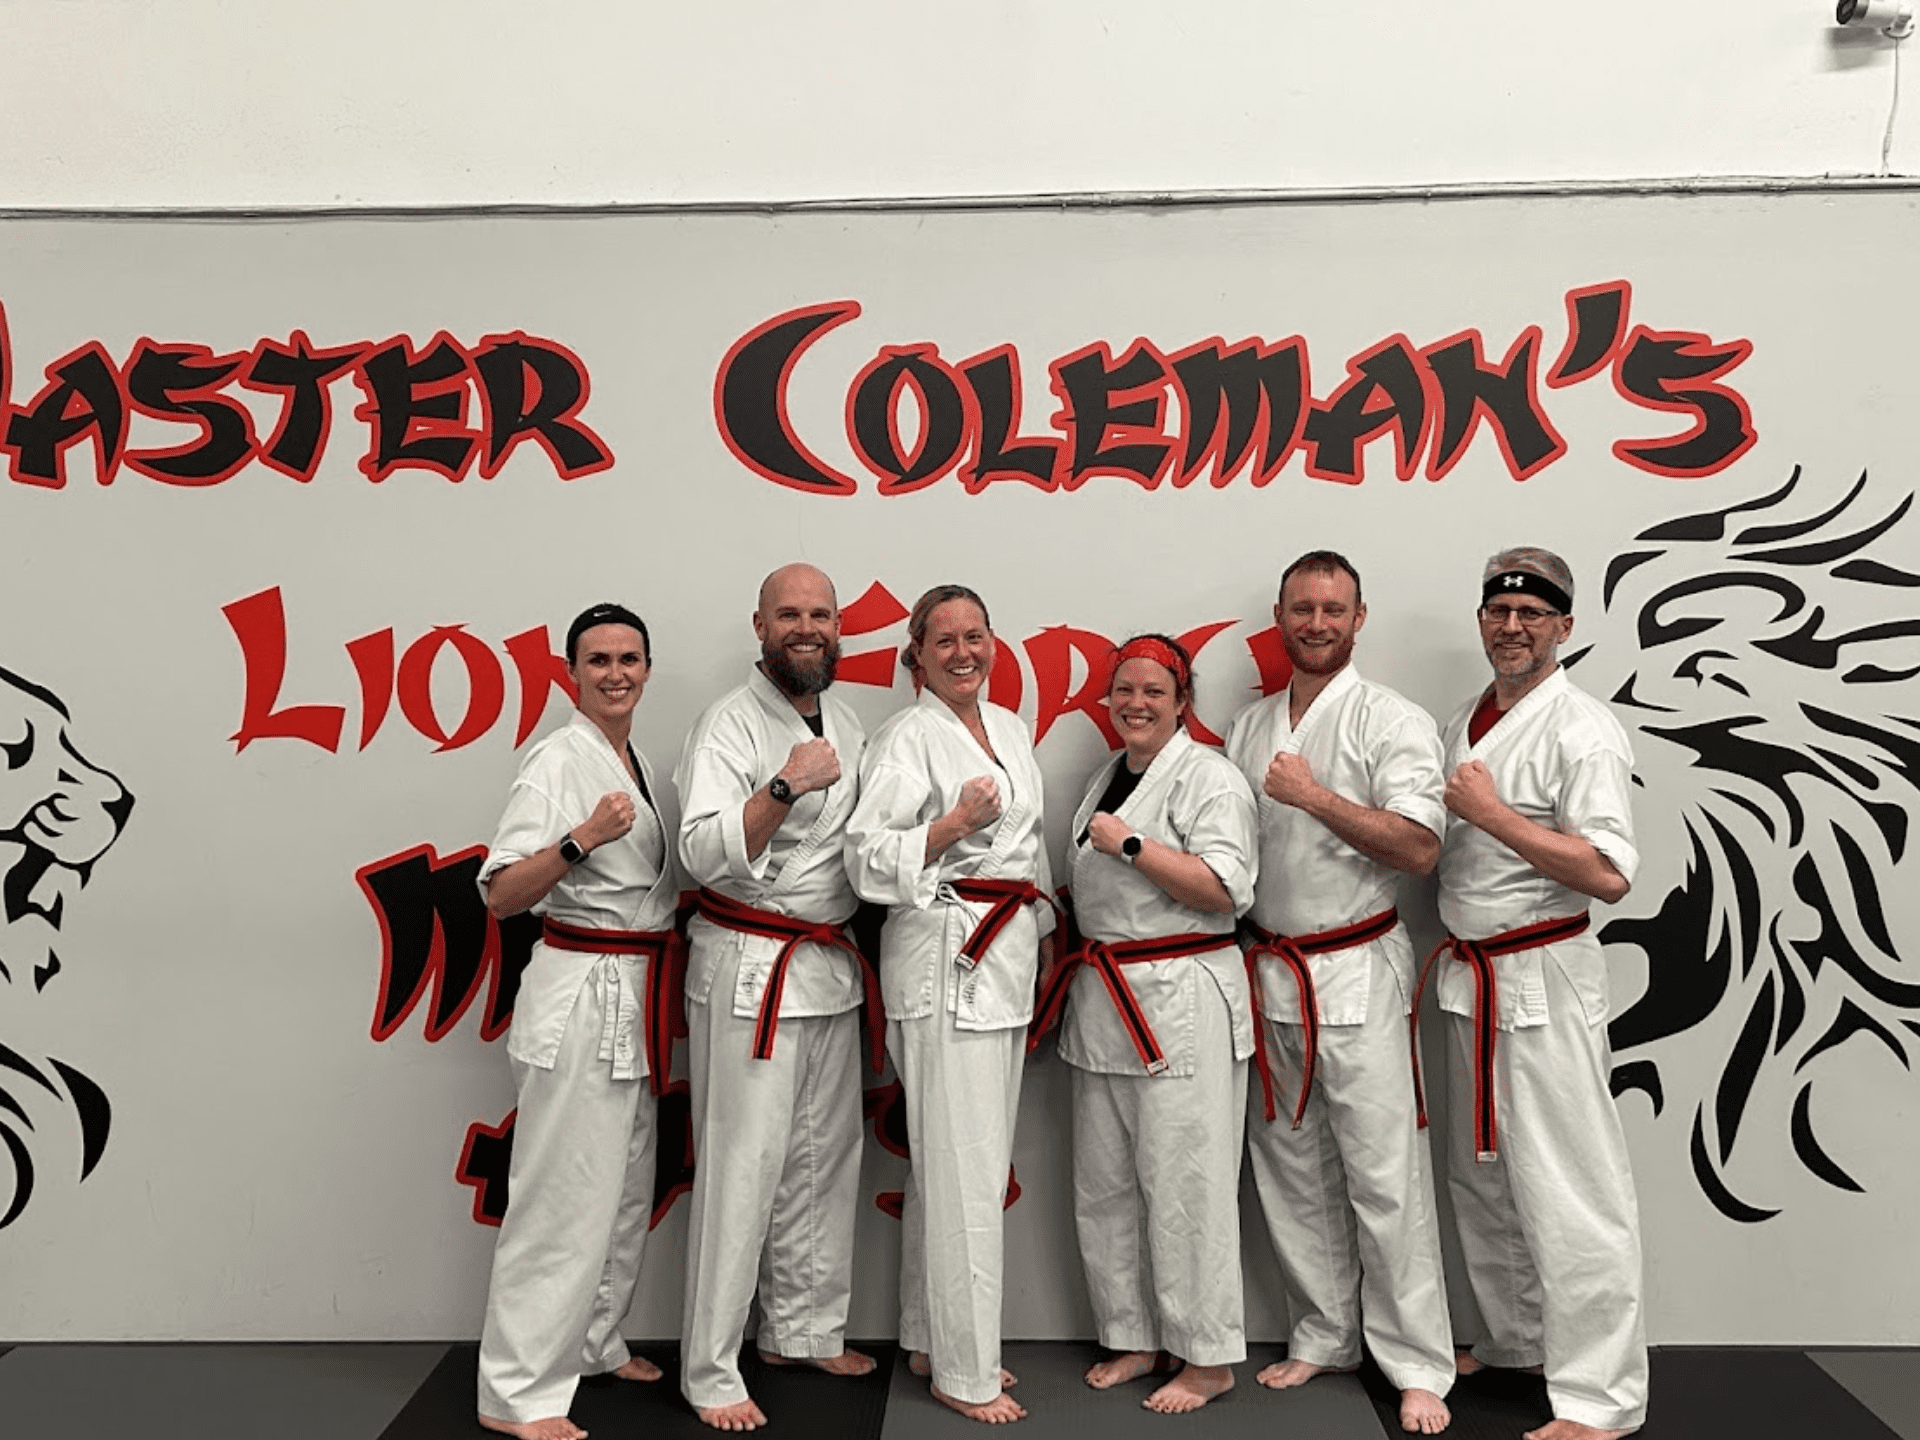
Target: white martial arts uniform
[(1550, 1229), (580, 1189), (1348, 1196), (957, 1034), (1156, 1158), (777, 1141)]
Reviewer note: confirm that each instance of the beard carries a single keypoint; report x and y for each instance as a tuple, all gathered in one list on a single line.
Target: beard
[(1323, 660), (802, 677)]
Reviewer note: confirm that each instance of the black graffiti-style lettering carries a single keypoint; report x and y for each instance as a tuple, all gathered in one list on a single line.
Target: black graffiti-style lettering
[(436, 935), (81, 398), (180, 382), (1111, 412), (1505, 396), (873, 418), (533, 389), (416, 408), (1596, 319), (1384, 390), (299, 373), (750, 399), (1231, 398), (999, 453), (1676, 372)]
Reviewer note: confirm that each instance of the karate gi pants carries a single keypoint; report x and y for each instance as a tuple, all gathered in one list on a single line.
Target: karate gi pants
[(579, 1200), (1348, 1198), (1550, 1230), (962, 1089), (776, 1183), (1156, 1198)]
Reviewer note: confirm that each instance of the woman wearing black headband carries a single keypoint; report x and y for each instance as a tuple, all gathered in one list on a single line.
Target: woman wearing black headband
[(590, 1044), (1158, 1031)]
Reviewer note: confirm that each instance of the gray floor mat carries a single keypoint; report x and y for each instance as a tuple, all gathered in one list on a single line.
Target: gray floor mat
[(159, 1392), (1059, 1403), (1887, 1382)]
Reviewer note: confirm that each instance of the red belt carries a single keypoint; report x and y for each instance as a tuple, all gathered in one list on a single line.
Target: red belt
[(1480, 955), (664, 1008), (1004, 899), (736, 915), (1293, 951), (1107, 960)]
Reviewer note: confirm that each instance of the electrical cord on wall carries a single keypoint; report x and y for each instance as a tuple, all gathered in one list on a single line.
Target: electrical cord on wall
[(1893, 110)]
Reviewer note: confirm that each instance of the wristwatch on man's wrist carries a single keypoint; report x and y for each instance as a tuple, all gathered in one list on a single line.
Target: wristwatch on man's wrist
[(570, 849), (780, 790), (1130, 849)]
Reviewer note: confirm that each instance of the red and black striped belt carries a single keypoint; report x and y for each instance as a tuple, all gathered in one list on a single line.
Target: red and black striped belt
[(1479, 955), (1106, 960), (1292, 951), (1004, 899), (664, 1011), (736, 915)]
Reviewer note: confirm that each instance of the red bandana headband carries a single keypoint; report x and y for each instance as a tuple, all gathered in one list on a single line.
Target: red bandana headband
[(1150, 647)]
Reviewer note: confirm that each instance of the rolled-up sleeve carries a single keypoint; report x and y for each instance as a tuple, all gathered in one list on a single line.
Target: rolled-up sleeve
[(1409, 778), (715, 778), (532, 821), (886, 845), (1596, 803), (1218, 823)]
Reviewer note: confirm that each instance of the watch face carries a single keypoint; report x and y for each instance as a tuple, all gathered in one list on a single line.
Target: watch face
[(780, 790), (1130, 847)]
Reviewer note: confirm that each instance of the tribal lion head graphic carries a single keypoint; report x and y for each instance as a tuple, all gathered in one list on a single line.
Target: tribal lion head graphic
[(59, 813), (1763, 654)]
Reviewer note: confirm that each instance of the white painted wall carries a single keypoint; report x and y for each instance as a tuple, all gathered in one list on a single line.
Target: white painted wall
[(138, 103)]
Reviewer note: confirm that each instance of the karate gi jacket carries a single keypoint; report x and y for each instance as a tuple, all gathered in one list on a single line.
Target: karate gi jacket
[(625, 884), (914, 768), (732, 751), (1373, 747), (1190, 798), (1558, 757)]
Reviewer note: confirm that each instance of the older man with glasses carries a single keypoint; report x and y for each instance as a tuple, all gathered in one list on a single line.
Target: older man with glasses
[(1539, 775)]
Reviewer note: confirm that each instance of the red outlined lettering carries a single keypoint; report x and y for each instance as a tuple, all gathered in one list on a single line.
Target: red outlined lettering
[(83, 398), (1113, 413), (1596, 321), (1506, 398), (1676, 371), (1231, 399), (1385, 388), (873, 417), (416, 408), (534, 389), (750, 399), (300, 374)]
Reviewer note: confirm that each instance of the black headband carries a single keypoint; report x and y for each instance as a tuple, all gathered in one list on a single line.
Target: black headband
[(1525, 582), (606, 614)]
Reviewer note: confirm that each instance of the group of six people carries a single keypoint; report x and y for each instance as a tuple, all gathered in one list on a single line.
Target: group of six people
[(1229, 911)]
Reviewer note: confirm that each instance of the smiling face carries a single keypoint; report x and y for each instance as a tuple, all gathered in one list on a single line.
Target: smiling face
[(956, 654), (611, 669), (1147, 707), (1319, 615), (1522, 635), (798, 626)]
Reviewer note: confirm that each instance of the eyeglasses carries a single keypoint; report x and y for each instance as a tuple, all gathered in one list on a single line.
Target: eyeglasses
[(1531, 616)]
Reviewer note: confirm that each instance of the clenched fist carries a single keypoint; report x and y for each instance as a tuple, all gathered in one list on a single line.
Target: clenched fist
[(811, 765), (1289, 779), (611, 818), (979, 803), (1470, 793), (1105, 831)]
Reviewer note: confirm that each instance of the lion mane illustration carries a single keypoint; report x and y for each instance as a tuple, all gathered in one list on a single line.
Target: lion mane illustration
[(1760, 654), (59, 813)]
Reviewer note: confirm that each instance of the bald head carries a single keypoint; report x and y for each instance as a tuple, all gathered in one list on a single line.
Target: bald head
[(798, 626), (787, 577)]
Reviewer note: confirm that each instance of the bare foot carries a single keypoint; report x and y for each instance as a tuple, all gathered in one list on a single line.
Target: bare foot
[(1573, 1430), (1130, 1365), (1285, 1374), (918, 1363), (1423, 1413), (554, 1427), (1001, 1410), (638, 1367), (847, 1362), (742, 1415), (1193, 1387)]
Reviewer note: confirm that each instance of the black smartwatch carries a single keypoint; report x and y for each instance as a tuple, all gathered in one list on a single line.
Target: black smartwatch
[(570, 850), (1130, 849), (780, 790)]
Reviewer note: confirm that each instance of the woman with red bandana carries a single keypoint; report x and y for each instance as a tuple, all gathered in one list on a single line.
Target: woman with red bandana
[(1158, 1031)]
